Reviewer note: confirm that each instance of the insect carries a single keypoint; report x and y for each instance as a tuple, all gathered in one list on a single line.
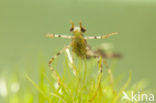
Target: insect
[(79, 45)]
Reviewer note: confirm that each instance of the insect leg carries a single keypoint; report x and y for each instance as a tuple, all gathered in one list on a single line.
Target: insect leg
[(58, 36), (102, 37), (99, 60), (109, 72), (56, 76), (70, 58)]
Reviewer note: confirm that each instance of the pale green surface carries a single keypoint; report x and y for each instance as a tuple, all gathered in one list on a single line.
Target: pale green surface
[(23, 25)]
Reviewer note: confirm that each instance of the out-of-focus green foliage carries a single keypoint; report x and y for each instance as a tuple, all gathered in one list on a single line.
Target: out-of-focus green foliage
[(80, 88)]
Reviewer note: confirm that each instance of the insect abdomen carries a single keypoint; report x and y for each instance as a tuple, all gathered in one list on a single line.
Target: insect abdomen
[(79, 47)]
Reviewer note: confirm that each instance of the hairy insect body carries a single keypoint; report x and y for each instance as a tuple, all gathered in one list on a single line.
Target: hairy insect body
[(79, 45)]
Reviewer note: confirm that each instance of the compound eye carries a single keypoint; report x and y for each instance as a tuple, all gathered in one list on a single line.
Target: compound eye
[(71, 29), (83, 29)]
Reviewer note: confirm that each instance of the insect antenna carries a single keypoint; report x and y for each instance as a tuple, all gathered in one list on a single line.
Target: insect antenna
[(72, 28), (81, 27)]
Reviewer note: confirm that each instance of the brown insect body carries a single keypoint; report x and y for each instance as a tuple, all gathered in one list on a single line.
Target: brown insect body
[(79, 46)]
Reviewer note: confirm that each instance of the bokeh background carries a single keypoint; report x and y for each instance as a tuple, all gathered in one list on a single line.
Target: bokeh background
[(24, 24)]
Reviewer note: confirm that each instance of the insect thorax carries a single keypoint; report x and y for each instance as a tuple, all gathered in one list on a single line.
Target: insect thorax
[(79, 46)]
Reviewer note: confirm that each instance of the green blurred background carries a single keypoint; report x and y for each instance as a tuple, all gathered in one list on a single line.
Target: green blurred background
[(24, 24)]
